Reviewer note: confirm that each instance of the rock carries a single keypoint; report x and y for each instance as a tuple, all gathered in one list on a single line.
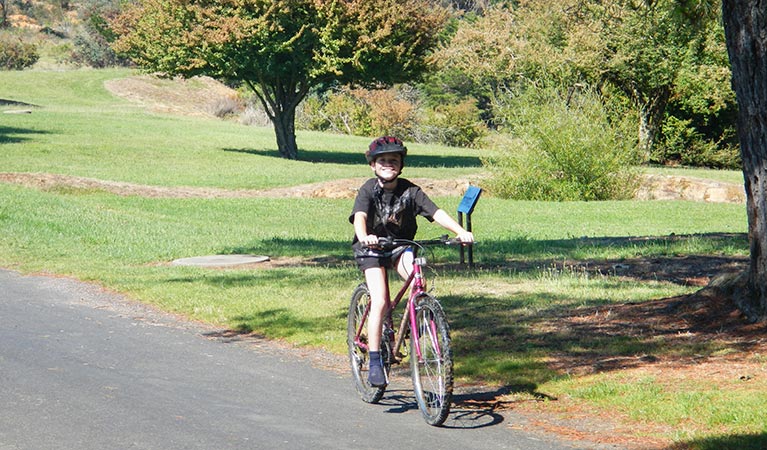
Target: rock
[(667, 187)]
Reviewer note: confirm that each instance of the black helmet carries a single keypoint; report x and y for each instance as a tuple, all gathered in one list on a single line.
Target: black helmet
[(385, 144)]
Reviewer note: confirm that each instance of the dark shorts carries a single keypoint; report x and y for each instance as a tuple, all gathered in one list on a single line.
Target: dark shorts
[(368, 258)]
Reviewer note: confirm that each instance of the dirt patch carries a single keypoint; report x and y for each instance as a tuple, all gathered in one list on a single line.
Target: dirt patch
[(345, 188), (198, 96)]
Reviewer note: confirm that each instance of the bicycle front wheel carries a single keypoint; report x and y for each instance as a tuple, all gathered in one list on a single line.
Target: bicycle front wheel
[(433, 370), (357, 343)]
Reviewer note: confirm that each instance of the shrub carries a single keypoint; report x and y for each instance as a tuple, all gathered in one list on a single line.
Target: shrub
[(343, 112), (225, 106), (683, 144), (458, 125), (254, 115), (396, 111), (562, 148), (390, 113), (16, 54)]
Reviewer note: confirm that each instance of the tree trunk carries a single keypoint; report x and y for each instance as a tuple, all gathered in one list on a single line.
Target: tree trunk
[(651, 112), (285, 130), (745, 24), (280, 104)]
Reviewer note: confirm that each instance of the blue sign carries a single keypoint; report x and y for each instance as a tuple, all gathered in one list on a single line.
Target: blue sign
[(469, 200)]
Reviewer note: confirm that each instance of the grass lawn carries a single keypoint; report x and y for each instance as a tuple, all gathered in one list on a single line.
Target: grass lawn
[(539, 264)]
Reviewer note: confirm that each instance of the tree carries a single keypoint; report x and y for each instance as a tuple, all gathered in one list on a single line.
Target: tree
[(745, 24), (281, 49), (640, 47)]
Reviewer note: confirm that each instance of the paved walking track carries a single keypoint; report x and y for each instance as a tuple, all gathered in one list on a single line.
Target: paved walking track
[(84, 369)]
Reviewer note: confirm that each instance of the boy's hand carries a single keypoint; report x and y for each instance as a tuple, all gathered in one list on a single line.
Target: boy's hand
[(466, 237), (370, 240)]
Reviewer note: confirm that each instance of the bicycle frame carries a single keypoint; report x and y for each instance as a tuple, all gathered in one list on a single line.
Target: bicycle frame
[(418, 282)]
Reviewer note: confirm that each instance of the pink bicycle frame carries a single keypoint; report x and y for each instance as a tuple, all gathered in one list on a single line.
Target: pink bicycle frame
[(418, 287)]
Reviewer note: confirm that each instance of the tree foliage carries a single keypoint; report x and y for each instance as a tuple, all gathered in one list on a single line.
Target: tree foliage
[(650, 51)]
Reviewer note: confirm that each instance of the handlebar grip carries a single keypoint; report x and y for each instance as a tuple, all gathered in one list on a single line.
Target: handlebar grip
[(385, 241)]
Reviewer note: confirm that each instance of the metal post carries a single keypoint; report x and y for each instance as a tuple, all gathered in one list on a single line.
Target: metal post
[(471, 246), (466, 207), (460, 222)]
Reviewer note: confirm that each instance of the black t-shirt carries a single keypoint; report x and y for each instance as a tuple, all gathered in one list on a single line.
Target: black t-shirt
[(393, 213)]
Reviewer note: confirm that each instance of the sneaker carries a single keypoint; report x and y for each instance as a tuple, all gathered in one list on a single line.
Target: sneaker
[(377, 376)]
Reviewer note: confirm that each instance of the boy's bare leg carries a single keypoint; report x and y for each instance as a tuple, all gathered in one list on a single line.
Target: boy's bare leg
[(405, 264), (376, 281)]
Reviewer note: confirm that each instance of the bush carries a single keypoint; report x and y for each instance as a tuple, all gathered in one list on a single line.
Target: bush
[(458, 125), (92, 50), (226, 106), (16, 54), (684, 145), (390, 112), (92, 42), (340, 112), (395, 111), (562, 149)]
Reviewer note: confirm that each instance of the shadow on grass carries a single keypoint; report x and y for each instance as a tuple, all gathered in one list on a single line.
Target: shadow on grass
[(330, 157), (643, 246), (281, 247), (507, 339), (665, 258), (13, 135), (734, 442), (680, 259)]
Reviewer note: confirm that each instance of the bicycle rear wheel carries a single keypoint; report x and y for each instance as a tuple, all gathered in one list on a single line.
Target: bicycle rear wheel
[(433, 371), (358, 355)]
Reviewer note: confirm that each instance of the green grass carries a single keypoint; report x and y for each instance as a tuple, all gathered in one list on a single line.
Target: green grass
[(78, 128), (727, 176), (501, 313)]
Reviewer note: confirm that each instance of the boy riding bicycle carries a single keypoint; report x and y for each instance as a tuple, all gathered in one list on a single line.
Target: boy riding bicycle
[(387, 206)]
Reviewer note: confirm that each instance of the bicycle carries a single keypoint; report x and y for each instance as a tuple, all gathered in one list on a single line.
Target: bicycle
[(423, 322)]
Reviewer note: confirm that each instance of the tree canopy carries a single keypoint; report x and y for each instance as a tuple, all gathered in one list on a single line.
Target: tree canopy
[(651, 52), (281, 49)]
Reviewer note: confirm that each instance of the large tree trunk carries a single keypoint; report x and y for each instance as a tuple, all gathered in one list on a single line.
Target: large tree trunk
[(745, 24)]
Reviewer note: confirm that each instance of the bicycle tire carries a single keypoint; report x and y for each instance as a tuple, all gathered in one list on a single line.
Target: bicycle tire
[(358, 357), (433, 373)]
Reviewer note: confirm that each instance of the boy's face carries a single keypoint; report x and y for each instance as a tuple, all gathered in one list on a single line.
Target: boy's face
[(387, 167)]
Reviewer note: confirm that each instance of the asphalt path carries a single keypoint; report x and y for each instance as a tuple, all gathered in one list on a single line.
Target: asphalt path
[(85, 369)]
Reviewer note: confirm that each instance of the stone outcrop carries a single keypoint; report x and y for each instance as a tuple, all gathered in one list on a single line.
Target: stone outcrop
[(666, 187)]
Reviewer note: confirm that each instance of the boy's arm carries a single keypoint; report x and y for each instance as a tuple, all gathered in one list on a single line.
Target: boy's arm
[(361, 229), (444, 219)]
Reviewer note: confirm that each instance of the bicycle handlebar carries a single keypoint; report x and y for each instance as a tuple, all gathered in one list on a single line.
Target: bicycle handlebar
[(388, 243)]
